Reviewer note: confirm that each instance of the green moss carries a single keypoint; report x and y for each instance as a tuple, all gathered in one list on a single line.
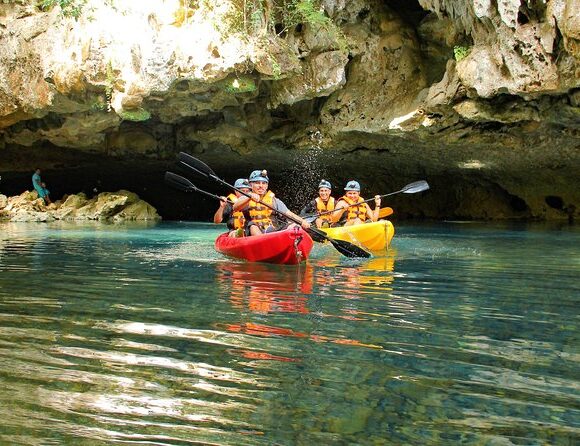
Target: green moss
[(97, 103), (461, 52), (240, 84), (137, 115)]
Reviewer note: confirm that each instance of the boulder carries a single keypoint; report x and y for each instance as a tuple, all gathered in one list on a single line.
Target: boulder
[(108, 206)]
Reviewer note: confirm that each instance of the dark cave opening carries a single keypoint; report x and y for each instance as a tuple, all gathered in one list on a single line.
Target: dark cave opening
[(554, 202), (409, 10)]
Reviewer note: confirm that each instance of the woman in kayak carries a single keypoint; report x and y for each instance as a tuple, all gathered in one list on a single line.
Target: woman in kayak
[(259, 218), (235, 221), (323, 203), (351, 208)]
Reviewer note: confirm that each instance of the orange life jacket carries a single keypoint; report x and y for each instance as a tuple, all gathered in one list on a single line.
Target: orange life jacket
[(259, 214), (323, 207), (237, 219), (353, 212)]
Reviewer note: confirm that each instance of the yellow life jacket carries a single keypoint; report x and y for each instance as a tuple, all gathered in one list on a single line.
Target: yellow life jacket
[(354, 212), (323, 207), (237, 219), (260, 215)]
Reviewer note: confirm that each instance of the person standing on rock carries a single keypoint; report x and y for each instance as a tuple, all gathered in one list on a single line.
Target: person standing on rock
[(351, 208), (40, 187), (321, 204)]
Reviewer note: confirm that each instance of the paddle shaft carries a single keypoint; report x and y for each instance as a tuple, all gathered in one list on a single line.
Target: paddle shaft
[(272, 208), (356, 204), (187, 186)]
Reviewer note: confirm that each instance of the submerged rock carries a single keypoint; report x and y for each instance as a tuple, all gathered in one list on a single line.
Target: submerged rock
[(109, 206)]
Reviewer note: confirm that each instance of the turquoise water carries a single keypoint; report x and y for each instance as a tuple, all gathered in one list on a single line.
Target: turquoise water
[(463, 334)]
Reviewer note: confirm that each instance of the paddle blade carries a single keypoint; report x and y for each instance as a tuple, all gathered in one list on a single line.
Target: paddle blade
[(417, 186), (345, 248), (179, 182), (385, 212), (195, 164), (348, 249), (317, 235)]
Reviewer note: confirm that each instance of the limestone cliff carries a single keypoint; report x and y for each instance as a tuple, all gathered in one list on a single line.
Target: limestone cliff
[(481, 98)]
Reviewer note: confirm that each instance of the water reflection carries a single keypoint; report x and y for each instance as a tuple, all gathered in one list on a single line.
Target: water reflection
[(461, 337), (264, 288), (259, 292)]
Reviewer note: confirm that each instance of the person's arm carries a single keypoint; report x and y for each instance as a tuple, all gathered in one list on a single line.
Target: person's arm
[(281, 206), (374, 215), (242, 201), (218, 217), (338, 211)]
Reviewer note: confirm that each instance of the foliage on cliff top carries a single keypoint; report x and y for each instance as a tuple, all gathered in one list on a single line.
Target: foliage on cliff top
[(69, 8), (252, 17)]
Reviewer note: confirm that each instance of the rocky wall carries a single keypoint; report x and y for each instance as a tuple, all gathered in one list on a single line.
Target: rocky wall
[(480, 98)]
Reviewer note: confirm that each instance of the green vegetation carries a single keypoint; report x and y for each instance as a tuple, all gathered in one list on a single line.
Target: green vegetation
[(266, 21), (241, 84), (110, 84), (99, 103), (69, 8), (277, 70), (135, 115), (252, 17), (461, 52)]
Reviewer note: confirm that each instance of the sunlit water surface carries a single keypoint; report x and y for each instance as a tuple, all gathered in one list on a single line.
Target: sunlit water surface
[(462, 334)]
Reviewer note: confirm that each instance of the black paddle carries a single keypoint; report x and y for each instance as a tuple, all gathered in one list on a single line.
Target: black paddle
[(185, 185), (345, 248), (411, 188)]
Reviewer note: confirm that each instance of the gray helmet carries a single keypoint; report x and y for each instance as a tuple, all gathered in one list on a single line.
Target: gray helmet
[(324, 183), (352, 185), (259, 175), (242, 183)]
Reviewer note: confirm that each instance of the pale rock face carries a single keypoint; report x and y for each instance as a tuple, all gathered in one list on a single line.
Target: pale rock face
[(150, 78), (87, 67), (513, 45), (119, 206), (321, 75)]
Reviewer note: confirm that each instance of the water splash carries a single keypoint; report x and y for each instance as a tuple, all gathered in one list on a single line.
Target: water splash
[(308, 169)]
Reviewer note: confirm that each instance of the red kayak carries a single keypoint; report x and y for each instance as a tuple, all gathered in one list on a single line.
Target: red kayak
[(288, 247)]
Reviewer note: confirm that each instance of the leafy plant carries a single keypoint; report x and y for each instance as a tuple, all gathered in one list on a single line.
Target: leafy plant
[(69, 8)]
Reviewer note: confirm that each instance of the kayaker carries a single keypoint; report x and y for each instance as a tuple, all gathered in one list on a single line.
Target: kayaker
[(260, 219), (234, 220), (323, 203), (351, 208)]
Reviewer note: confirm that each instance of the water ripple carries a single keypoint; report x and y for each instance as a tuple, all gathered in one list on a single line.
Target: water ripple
[(461, 335)]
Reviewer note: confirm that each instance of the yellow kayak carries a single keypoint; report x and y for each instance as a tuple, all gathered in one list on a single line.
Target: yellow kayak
[(374, 236)]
